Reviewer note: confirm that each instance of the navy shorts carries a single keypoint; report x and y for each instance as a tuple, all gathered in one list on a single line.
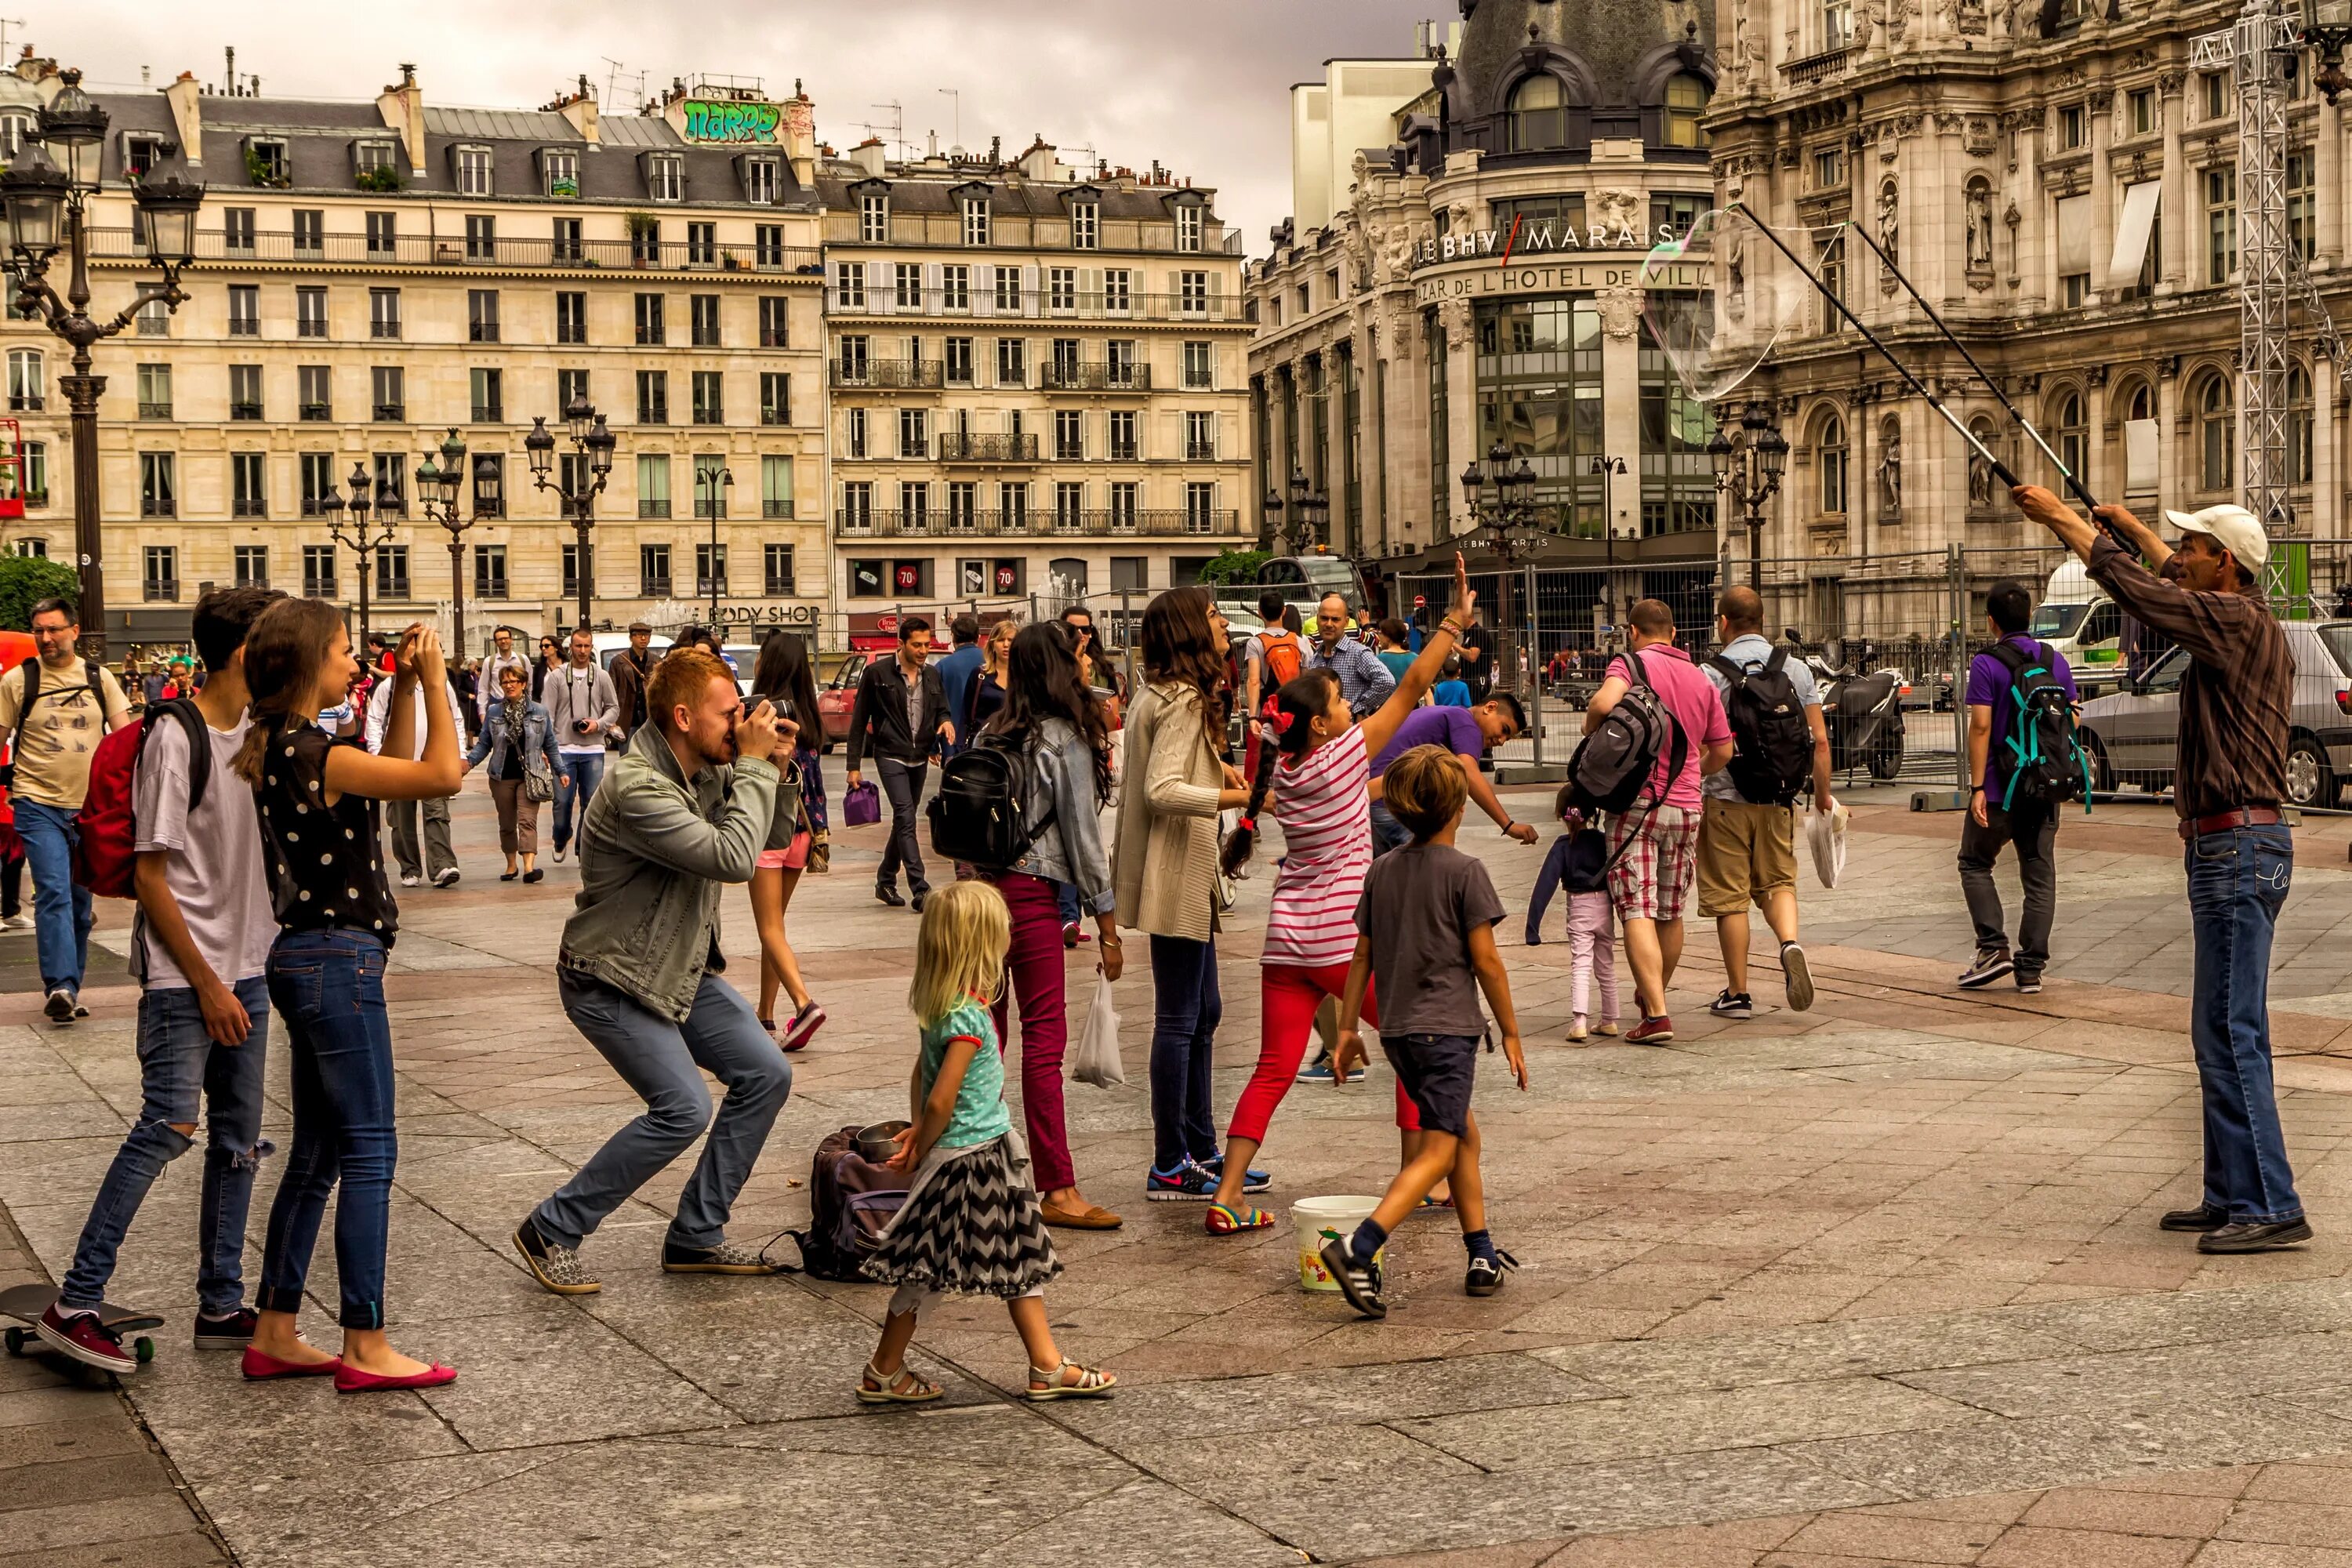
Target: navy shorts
[(1437, 1072)]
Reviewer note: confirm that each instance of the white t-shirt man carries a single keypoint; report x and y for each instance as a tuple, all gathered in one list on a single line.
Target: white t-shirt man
[(379, 718), (214, 866), (580, 687)]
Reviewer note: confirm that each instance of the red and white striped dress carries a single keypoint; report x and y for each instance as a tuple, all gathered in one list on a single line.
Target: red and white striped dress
[(1325, 807)]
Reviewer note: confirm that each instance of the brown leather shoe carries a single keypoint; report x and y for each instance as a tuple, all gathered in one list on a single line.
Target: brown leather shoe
[(1094, 1217)]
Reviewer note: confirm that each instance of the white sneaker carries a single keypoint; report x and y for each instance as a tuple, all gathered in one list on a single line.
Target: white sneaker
[(60, 1008), (448, 875), (408, 879), (558, 854), (15, 922)]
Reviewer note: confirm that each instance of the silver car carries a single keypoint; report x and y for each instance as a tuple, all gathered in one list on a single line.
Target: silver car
[(2132, 733)]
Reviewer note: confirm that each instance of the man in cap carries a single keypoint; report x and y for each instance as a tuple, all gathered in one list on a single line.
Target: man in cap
[(2227, 779), (631, 669)]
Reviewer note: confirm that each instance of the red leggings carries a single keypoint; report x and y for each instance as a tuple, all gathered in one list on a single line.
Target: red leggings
[(1288, 995), (1034, 969)]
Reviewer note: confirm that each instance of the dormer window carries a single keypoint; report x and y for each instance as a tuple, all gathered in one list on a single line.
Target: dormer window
[(1189, 228), (665, 178), (376, 165), (140, 153), (265, 161), (1085, 225), (1686, 98), (874, 217), (471, 166), (559, 173), (760, 181), (975, 220)]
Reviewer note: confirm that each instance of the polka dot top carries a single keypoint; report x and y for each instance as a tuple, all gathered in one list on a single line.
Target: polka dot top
[(326, 862)]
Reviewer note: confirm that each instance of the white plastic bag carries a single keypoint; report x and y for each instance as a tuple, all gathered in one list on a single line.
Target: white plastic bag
[(1096, 1061), (1825, 836)]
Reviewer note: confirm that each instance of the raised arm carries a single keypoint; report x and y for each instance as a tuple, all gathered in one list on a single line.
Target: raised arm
[(1381, 725), (352, 771)]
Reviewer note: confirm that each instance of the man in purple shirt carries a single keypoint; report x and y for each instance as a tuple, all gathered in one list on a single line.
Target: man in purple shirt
[(2032, 825), (1467, 733)]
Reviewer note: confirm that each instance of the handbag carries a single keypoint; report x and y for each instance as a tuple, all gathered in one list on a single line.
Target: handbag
[(538, 785), (862, 805)]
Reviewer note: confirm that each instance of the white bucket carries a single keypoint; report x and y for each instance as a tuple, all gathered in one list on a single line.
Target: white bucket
[(1318, 1220)]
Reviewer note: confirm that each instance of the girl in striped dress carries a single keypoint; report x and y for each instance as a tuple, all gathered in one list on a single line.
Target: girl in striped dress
[(1317, 762)]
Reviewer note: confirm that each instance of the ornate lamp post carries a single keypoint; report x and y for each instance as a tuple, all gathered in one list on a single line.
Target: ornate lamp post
[(579, 488), (1749, 458), (46, 193), (361, 539), (439, 489), (1510, 522), (711, 486), (1309, 510)]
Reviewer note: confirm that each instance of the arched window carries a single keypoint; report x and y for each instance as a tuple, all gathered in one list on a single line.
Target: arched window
[(2299, 426), (2073, 433), (2216, 429), (1539, 115), (1686, 98), (1829, 443), (2140, 404)]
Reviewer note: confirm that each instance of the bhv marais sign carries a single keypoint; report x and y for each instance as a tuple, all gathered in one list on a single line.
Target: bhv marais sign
[(1542, 237), (711, 120)]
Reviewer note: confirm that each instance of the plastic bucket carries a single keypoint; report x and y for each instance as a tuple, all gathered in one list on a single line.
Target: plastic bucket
[(1318, 1220)]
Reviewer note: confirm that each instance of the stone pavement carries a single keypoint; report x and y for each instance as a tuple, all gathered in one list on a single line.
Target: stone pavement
[(1878, 1283)]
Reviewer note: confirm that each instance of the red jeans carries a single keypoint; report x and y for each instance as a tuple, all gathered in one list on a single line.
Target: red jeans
[(1288, 995), (1034, 968)]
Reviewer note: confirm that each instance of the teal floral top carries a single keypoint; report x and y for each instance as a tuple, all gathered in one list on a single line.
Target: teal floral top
[(980, 1115)]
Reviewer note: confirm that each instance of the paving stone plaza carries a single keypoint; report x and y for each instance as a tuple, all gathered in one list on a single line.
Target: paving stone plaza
[(1880, 1283)]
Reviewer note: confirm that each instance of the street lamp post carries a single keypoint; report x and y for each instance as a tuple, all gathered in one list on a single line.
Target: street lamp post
[(1748, 459), (1511, 521), (578, 490), (1602, 469), (362, 538), (46, 205), (1310, 509), (711, 486), (438, 489)]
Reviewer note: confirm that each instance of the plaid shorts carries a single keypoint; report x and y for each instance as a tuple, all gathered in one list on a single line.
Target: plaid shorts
[(1653, 878)]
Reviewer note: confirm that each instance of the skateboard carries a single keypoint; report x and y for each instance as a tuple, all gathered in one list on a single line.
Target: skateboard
[(26, 1303)]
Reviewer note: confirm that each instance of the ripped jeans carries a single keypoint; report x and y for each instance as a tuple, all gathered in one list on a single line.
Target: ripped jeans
[(182, 1071)]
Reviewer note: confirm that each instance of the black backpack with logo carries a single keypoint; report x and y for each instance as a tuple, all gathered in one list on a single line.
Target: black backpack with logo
[(1772, 760), (2039, 760), (976, 817), (1613, 765)]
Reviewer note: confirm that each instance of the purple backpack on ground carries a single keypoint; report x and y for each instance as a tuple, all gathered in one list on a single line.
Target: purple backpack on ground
[(862, 805), (852, 1201)]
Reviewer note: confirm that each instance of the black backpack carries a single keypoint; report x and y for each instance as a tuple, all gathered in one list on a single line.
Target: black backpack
[(2041, 758), (976, 816), (1773, 756), (1613, 765)]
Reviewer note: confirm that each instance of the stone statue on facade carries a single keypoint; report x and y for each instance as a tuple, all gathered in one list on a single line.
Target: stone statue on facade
[(1890, 474), (1979, 218), (1890, 233)]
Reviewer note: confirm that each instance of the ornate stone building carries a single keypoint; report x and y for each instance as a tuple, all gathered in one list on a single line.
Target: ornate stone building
[(1478, 283), (2063, 187)]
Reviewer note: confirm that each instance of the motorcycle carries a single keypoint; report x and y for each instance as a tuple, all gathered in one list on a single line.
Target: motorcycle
[(1863, 714)]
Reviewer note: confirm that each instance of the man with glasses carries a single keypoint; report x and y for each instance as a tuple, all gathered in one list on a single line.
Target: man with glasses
[(503, 656), (1469, 733)]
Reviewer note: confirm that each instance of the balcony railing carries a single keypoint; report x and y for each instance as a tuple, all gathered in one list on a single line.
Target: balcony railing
[(158, 506), (652, 587), (245, 411), (163, 590), (1122, 451), (959, 447), (383, 329), (249, 508), (891, 374), (651, 509), (1200, 451), (1817, 67), (771, 339), (391, 413), (489, 414), (773, 508), (1041, 524), (1081, 307), (309, 328), (1067, 377), (153, 325), (481, 331), (149, 410), (315, 413), (117, 245), (653, 413), (710, 413), (771, 414), (25, 403), (243, 327)]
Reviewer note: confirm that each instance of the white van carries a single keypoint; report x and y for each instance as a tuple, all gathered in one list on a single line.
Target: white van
[(2080, 625)]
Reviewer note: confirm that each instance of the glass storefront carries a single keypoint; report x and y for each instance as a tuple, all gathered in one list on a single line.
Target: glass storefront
[(1540, 394), (1678, 493)]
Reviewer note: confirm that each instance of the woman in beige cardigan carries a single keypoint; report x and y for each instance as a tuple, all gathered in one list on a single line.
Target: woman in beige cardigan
[(1165, 873)]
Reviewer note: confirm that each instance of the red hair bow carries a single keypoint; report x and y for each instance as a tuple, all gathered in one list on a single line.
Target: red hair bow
[(1281, 719)]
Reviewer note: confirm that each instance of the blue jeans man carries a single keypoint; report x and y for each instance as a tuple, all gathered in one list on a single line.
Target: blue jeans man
[(61, 908), (587, 771)]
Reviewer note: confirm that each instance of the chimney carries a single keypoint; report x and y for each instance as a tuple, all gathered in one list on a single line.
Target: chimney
[(186, 101), (799, 136), (580, 108), (1037, 164), (228, 75), (402, 107), (871, 157)]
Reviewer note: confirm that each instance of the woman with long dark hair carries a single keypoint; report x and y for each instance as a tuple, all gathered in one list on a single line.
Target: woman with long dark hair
[(1051, 717), (336, 917), (1177, 780), (784, 680)]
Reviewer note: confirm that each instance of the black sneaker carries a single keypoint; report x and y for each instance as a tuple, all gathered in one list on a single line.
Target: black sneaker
[(59, 1007), (1360, 1282), (557, 1269), (2029, 982), (1730, 1006), (1992, 964), (920, 894), (1485, 1276), (1188, 1183), (889, 895), (231, 1331)]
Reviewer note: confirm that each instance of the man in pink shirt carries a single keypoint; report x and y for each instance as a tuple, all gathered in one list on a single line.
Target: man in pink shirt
[(1654, 845)]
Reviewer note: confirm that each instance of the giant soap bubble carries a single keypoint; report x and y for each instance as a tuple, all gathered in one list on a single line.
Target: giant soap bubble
[(1721, 297)]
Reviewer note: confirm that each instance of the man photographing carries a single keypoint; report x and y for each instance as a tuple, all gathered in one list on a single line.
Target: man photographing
[(2227, 780)]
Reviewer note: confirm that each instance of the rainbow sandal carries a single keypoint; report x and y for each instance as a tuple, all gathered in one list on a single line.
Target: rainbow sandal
[(1225, 1220)]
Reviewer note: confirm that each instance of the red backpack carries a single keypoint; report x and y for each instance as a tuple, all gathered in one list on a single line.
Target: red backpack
[(106, 853)]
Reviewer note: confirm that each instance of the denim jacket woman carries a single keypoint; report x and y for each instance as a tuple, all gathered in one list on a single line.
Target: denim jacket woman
[(539, 758), (1070, 848)]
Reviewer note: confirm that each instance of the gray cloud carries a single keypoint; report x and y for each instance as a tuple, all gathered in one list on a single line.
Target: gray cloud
[(1201, 85)]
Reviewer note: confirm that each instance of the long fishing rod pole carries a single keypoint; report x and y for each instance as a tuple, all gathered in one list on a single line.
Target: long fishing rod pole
[(2074, 481)]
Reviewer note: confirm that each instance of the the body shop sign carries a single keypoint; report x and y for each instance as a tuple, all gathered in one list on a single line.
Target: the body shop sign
[(709, 120)]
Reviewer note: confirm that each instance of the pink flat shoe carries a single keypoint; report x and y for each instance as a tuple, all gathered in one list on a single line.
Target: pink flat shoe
[(352, 1380), (259, 1367)]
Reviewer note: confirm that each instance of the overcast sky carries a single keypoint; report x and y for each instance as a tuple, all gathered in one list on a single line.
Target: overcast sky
[(1201, 85)]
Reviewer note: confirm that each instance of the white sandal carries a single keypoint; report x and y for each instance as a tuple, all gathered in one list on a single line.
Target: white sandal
[(1091, 1385), (888, 1391)]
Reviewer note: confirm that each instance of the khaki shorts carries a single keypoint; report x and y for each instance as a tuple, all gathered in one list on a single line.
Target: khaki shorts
[(1745, 852)]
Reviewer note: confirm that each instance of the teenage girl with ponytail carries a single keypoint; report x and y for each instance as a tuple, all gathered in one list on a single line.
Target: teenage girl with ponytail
[(1317, 761)]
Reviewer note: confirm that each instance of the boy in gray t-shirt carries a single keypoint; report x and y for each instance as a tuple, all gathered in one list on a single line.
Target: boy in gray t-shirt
[(1426, 930)]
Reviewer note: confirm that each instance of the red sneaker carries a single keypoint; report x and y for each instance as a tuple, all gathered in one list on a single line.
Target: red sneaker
[(803, 1028), (1072, 935), (1655, 1031), (82, 1336)]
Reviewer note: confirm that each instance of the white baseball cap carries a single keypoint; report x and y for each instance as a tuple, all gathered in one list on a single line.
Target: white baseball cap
[(2233, 528)]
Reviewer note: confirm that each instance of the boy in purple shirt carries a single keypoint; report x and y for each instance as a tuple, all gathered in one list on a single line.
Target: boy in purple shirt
[(1651, 877), (1469, 733), (2029, 825)]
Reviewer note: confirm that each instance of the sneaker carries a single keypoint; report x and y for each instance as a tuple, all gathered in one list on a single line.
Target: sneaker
[(17, 923), (1073, 934), (1360, 1282), (60, 1008), (446, 878), (229, 1331), (79, 1011), (82, 1336), (1224, 1221), (804, 1027), (1992, 964), (1319, 1071), (1486, 1275), (1188, 1183), (888, 894), (917, 901), (727, 1257), (557, 1269), (1796, 977), (1733, 1004), (411, 879), (560, 852), (2028, 985), (1657, 1031), (1254, 1181)]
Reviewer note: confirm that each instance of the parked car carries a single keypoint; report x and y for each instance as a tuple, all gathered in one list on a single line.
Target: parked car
[(837, 697), (2132, 732)]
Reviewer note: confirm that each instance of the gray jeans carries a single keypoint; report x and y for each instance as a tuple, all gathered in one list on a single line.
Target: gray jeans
[(2033, 832), (661, 1061), (438, 856)]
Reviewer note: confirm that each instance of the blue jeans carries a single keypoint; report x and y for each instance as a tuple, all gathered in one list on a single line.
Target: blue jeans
[(2236, 882), (61, 911), (329, 987), (1066, 899), (1388, 833), (663, 1062), (587, 771), (1186, 1008), (182, 1072)]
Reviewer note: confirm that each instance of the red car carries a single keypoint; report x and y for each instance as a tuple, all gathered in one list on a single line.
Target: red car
[(838, 696)]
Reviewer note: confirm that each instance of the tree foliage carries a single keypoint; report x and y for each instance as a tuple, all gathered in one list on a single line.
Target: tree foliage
[(1235, 566), (26, 581)]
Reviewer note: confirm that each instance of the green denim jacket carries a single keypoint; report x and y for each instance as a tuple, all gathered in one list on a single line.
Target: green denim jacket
[(654, 849)]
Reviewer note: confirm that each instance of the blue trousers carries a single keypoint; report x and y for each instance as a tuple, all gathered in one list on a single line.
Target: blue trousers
[(185, 1075), (1186, 1009), (587, 771), (2237, 883), (62, 908)]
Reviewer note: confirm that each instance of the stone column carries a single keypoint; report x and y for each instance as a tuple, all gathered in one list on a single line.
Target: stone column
[(2173, 214), (1621, 405), (1462, 442), (2328, 188), (2103, 459), (2103, 193), (2327, 490), (2171, 446)]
